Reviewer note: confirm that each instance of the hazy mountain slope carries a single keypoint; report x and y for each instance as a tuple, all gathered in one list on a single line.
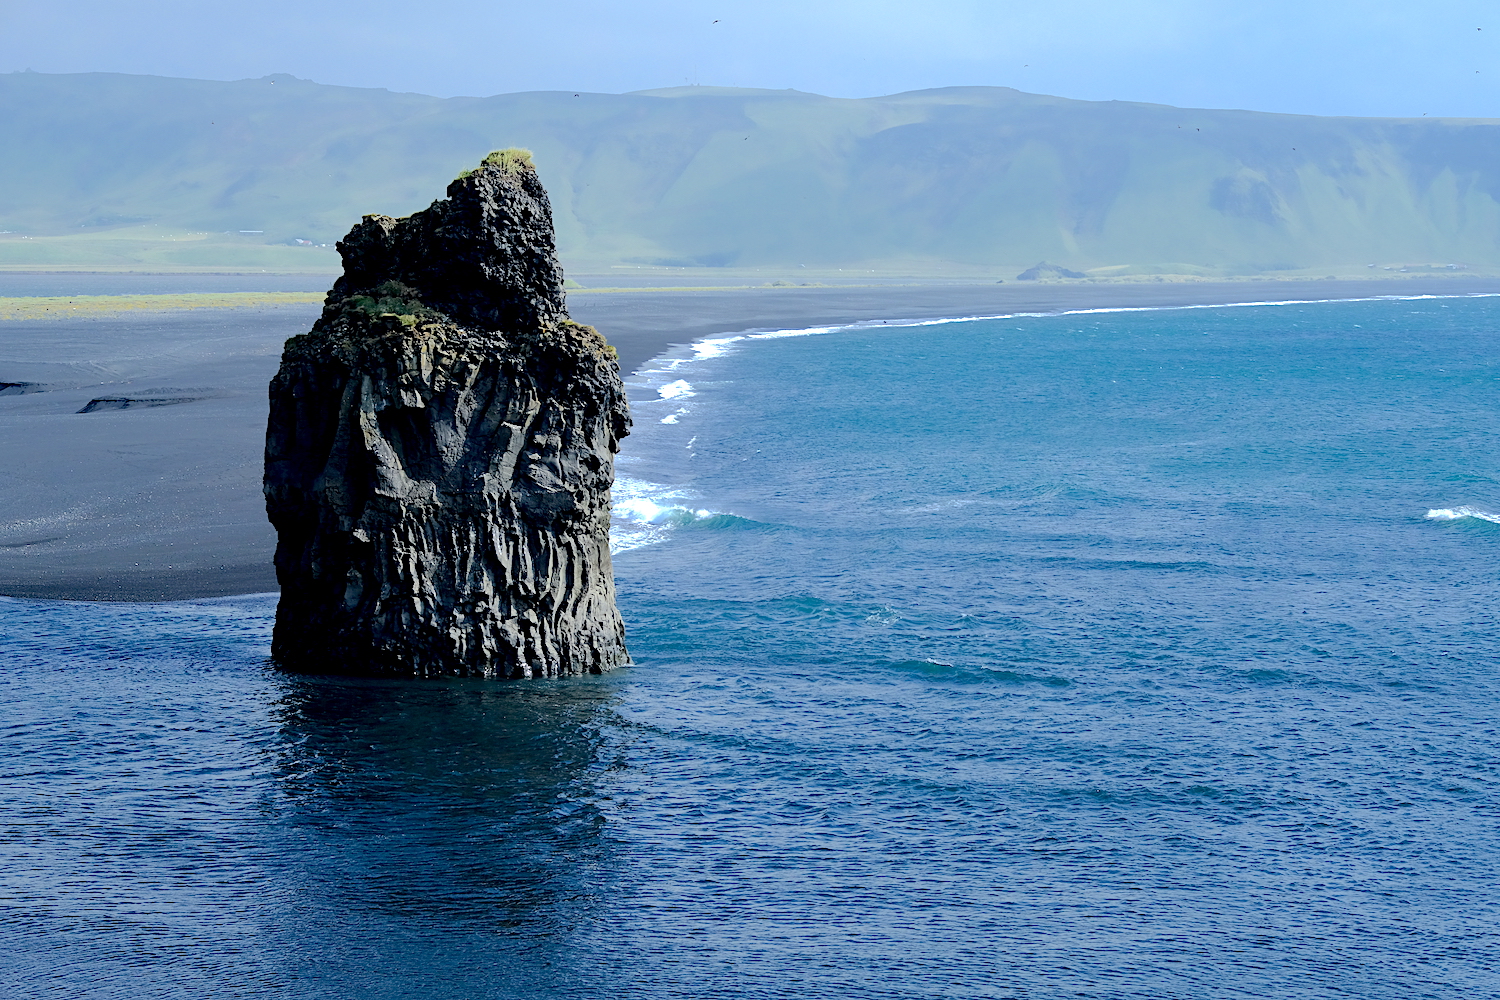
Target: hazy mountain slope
[(983, 176)]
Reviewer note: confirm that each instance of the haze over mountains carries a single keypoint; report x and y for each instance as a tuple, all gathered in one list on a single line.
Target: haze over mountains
[(112, 170)]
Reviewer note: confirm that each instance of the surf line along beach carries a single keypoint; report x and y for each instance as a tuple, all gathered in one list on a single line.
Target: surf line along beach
[(162, 500)]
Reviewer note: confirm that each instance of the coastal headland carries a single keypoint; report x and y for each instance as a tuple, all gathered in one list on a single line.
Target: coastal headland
[(155, 492)]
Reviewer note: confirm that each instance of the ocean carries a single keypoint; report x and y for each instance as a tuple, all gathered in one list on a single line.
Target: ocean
[(1112, 654)]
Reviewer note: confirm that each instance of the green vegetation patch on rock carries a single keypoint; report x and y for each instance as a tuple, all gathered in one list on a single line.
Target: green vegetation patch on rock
[(391, 298), (511, 161)]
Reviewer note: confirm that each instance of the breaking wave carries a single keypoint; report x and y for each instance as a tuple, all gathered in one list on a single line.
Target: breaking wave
[(1458, 513), (645, 513)]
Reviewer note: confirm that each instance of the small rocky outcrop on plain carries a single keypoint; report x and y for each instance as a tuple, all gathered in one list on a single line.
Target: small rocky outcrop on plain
[(441, 448), (159, 397), (1038, 272)]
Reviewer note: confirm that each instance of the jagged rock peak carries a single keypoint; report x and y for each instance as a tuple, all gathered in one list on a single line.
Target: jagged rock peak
[(484, 255), (440, 451)]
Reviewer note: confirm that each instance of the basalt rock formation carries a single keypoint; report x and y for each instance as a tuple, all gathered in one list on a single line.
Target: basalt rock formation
[(441, 448)]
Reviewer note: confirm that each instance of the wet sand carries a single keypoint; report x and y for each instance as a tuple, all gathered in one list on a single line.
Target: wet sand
[(161, 500)]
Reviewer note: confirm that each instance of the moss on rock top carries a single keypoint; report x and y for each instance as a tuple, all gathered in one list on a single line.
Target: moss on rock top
[(512, 161)]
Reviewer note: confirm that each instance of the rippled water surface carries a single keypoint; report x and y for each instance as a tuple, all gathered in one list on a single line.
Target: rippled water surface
[(1107, 655)]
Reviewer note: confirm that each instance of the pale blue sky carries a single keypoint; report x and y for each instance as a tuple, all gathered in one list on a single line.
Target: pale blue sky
[(1335, 57)]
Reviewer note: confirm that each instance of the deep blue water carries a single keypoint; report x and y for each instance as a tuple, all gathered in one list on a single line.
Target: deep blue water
[(1111, 655)]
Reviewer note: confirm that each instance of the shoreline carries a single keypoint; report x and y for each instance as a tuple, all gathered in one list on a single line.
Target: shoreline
[(164, 503), (760, 333), (644, 323)]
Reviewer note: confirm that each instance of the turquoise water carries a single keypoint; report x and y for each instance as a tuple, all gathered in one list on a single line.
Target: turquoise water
[(1110, 655)]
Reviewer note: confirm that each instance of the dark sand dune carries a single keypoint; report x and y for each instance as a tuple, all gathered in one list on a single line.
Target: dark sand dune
[(161, 502)]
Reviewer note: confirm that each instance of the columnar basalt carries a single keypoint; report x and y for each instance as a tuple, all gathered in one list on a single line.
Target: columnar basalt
[(441, 448)]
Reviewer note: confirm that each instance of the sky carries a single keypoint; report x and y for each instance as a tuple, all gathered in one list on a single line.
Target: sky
[(1325, 57)]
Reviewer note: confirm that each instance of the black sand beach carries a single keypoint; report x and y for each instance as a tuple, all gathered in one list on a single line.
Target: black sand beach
[(158, 497)]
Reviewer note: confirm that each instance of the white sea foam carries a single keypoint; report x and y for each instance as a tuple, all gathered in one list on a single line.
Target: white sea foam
[(1457, 513), (679, 389), (811, 331), (713, 347), (645, 513)]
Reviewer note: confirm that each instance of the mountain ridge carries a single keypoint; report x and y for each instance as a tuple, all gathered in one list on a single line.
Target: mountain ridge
[(975, 177)]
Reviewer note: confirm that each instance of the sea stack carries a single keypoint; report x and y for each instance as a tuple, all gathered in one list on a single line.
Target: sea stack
[(441, 448)]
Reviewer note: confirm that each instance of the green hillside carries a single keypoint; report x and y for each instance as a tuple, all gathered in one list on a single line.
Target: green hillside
[(112, 170)]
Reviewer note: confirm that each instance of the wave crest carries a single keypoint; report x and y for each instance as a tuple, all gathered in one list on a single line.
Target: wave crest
[(1458, 513), (645, 513)]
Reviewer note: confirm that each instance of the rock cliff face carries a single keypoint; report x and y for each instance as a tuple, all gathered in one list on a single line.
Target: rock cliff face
[(441, 448)]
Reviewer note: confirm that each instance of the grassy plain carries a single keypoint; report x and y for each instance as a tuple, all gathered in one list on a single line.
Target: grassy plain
[(159, 249), (35, 307)]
